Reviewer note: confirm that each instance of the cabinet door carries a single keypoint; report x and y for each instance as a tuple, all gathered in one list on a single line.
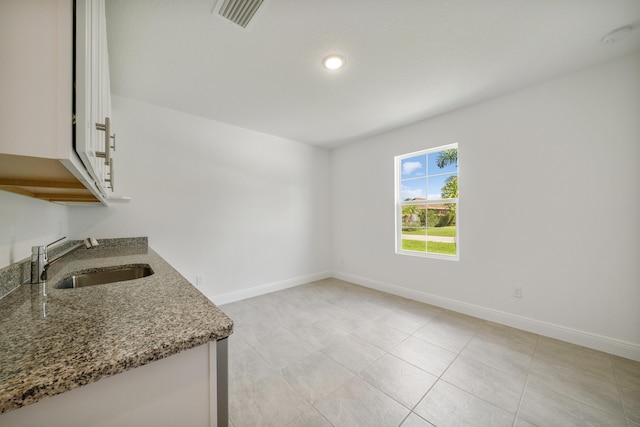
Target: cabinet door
[(93, 97), (101, 91)]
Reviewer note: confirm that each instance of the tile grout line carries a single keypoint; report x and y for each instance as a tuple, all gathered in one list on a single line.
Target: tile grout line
[(279, 371), (515, 415), (590, 405), (385, 352), (355, 375), (439, 378), (622, 405), (275, 370), (526, 381)]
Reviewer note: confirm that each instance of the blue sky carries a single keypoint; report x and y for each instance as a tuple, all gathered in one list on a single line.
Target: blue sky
[(414, 176)]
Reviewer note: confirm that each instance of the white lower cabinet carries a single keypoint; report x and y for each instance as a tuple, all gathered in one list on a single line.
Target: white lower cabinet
[(180, 390)]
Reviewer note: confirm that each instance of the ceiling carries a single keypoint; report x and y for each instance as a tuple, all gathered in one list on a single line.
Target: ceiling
[(406, 60)]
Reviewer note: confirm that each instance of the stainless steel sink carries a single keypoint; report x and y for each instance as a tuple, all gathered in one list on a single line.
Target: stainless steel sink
[(119, 273)]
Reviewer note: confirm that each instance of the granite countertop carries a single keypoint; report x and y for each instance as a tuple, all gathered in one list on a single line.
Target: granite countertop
[(72, 337)]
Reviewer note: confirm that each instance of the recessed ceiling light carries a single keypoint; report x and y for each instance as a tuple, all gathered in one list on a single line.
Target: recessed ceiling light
[(616, 35), (333, 62)]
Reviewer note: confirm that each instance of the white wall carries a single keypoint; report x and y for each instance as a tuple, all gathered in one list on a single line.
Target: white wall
[(239, 208), (27, 222), (549, 202)]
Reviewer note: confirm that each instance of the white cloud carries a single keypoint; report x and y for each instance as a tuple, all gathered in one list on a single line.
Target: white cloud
[(409, 167), (411, 193)]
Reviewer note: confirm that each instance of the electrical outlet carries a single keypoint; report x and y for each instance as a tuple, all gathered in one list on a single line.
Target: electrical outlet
[(517, 292), (199, 280)]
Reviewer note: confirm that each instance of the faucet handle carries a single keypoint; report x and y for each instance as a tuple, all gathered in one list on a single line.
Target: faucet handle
[(90, 242)]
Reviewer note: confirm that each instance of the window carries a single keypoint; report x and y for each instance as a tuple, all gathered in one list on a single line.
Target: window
[(427, 203)]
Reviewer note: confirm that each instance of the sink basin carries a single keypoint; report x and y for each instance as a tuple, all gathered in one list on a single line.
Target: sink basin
[(118, 273)]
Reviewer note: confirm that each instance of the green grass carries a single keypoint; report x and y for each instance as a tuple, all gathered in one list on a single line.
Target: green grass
[(414, 245), (431, 247), (441, 248), (448, 231)]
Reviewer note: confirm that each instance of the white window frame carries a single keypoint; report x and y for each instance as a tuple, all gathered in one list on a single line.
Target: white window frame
[(399, 203)]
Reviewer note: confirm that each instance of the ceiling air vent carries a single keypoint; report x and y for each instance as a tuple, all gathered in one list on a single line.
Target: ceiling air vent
[(239, 12)]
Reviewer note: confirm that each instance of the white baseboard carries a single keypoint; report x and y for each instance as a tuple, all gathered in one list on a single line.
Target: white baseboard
[(575, 336), (583, 338), (267, 288)]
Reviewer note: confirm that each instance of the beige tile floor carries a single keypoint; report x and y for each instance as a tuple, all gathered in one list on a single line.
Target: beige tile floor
[(330, 353)]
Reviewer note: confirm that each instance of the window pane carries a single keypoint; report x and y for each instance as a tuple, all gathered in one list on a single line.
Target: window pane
[(443, 187), (448, 159), (441, 228), (413, 189), (413, 167), (414, 228)]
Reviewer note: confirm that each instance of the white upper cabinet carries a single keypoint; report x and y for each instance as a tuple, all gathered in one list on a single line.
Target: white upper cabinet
[(48, 81)]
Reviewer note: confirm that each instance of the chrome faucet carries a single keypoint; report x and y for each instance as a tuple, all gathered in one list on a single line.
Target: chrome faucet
[(40, 259)]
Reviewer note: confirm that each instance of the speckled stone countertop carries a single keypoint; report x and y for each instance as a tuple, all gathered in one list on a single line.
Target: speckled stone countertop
[(71, 337)]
